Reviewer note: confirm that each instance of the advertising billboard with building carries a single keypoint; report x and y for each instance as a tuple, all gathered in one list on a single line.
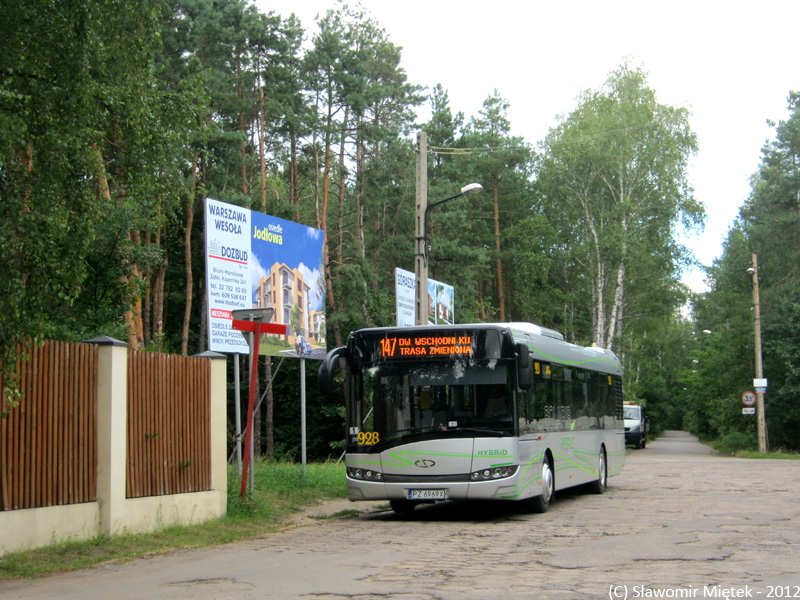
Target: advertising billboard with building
[(254, 260), (441, 301)]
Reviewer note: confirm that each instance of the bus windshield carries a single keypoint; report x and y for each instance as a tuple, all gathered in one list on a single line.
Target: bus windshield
[(395, 403)]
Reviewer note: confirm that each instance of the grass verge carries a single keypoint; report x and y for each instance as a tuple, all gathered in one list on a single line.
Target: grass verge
[(757, 454), (280, 490)]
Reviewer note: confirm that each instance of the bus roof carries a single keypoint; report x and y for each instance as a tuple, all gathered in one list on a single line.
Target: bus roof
[(549, 346)]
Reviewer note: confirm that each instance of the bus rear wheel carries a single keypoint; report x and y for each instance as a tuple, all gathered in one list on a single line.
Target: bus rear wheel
[(599, 485)]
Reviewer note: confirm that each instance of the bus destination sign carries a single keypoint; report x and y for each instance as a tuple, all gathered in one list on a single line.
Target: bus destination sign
[(406, 346)]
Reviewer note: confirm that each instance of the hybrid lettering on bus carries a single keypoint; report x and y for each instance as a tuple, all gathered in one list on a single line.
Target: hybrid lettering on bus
[(507, 412)]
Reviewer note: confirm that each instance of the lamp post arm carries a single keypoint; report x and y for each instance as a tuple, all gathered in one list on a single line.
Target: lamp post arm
[(425, 221), (432, 204)]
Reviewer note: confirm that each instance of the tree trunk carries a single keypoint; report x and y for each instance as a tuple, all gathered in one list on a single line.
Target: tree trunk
[(187, 261), (270, 411), (158, 295), (617, 308), (337, 335), (242, 130), (202, 334), (359, 187), (598, 292), (148, 296), (293, 176), (342, 182), (263, 159), (136, 309)]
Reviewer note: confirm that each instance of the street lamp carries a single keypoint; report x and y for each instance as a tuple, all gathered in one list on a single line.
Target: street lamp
[(421, 261)]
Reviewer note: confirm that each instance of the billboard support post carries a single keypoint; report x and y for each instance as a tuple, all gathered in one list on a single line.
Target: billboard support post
[(238, 411), (257, 328), (303, 413)]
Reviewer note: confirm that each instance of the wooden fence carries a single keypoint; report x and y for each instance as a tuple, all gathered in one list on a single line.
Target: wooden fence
[(169, 424), (48, 444)]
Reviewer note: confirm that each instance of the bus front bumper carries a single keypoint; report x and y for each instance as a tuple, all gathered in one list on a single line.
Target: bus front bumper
[(502, 489)]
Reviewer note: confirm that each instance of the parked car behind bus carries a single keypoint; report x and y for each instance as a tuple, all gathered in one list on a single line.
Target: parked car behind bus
[(637, 426)]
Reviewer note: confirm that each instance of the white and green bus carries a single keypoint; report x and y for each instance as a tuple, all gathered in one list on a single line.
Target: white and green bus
[(476, 412)]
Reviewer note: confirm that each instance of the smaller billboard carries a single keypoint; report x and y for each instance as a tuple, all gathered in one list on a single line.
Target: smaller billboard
[(441, 300)]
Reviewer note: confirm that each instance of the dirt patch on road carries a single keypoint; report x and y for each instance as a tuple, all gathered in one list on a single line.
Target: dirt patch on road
[(326, 510)]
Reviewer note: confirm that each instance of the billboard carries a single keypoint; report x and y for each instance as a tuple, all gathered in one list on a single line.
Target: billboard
[(254, 260), (441, 300)]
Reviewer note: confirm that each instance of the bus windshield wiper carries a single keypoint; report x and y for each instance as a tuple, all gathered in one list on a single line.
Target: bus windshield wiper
[(481, 430)]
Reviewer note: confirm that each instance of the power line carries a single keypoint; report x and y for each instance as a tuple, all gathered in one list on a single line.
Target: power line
[(443, 150)]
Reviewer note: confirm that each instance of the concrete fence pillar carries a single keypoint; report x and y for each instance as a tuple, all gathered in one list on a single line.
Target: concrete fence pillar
[(219, 428), (112, 388)]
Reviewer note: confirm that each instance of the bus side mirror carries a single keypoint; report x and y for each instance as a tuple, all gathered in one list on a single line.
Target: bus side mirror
[(524, 367), (325, 373)]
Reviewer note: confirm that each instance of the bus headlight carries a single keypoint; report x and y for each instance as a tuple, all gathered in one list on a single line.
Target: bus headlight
[(364, 474), (494, 473)]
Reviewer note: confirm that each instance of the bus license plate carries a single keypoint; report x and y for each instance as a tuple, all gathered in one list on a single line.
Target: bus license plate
[(427, 494)]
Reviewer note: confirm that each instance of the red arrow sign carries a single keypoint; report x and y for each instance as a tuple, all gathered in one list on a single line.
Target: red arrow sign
[(262, 327)]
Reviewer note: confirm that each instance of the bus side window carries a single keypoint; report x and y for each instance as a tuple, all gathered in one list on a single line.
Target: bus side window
[(539, 398), (557, 400), (523, 410), (582, 419), (600, 396)]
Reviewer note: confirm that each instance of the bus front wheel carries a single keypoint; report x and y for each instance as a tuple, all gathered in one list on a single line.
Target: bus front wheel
[(540, 503)]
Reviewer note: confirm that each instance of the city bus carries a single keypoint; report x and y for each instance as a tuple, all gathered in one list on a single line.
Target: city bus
[(507, 412)]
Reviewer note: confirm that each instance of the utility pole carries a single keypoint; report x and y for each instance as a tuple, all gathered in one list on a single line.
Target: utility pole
[(420, 235), (760, 414)]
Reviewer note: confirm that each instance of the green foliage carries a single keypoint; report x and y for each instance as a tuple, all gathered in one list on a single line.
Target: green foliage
[(118, 118), (767, 226), (736, 441), (612, 182)]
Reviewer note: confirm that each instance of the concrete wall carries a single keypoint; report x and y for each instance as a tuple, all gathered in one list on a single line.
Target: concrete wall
[(112, 512)]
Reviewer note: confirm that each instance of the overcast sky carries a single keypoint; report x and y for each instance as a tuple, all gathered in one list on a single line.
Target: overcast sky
[(732, 64)]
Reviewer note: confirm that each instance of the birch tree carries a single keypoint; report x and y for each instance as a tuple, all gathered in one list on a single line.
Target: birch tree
[(613, 179)]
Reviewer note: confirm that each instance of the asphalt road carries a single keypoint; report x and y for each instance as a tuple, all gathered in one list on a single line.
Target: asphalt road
[(679, 522)]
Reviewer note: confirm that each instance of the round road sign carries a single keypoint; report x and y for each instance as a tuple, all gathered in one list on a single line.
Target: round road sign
[(749, 398)]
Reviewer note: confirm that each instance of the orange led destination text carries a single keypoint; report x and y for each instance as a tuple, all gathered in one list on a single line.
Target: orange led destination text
[(448, 345)]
